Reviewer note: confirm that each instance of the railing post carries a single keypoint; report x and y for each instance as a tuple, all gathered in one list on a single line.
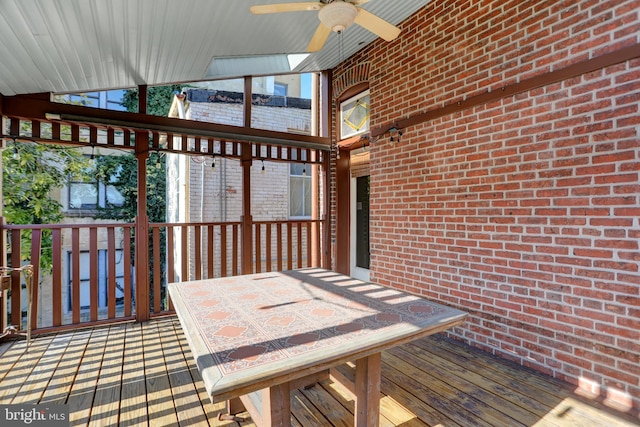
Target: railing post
[(142, 231), (247, 220)]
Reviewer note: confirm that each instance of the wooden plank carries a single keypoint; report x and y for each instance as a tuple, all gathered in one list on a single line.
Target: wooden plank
[(198, 251), (106, 402), (299, 236), (212, 411), (484, 361), (289, 246), (160, 407), (171, 275), (36, 382), (71, 367), (83, 390), (56, 298), (223, 251), (75, 275), (515, 390), (258, 248), (534, 386), (423, 413), (336, 413), (126, 237), (16, 292), (157, 304), (279, 245), (15, 375), (234, 250), (305, 412), (111, 273), (133, 402), (463, 408), (93, 275), (185, 396), (36, 249), (268, 244), (514, 408), (210, 252), (59, 386), (310, 241), (184, 274)]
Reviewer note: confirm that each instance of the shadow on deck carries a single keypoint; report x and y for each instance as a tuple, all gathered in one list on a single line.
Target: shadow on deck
[(144, 374)]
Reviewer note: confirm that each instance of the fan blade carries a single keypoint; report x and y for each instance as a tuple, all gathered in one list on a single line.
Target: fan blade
[(285, 7), (376, 25), (318, 39)]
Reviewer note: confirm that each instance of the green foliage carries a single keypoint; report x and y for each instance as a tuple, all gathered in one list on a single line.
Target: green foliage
[(28, 178), (159, 99), (121, 172)]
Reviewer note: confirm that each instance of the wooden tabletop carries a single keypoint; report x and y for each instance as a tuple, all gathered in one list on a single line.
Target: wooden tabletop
[(251, 332)]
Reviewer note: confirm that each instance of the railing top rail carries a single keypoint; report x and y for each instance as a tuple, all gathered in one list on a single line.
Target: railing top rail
[(289, 221), (152, 224), (192, 224), (64, 226)]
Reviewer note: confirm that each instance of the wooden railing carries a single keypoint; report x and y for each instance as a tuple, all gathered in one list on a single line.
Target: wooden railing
[(76, 278), (84, 274)]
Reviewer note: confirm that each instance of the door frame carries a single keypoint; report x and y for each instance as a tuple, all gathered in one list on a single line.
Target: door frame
[(355, 271)]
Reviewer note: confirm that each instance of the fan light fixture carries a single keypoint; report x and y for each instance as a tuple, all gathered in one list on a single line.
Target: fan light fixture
[(338, 15)]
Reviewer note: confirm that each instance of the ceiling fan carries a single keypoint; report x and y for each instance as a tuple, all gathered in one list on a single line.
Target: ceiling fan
[(334, 15)]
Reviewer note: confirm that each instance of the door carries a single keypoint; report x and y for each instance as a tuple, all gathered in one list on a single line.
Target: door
[(360, 252)]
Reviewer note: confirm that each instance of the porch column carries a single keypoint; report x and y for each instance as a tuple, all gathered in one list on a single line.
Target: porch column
[(247, 219), (142, 230)]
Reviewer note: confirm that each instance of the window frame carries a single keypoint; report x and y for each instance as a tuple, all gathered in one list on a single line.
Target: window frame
[(305, 178), (349, 98)]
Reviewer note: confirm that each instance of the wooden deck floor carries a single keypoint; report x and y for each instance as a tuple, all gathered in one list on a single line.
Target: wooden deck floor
[(143, 374)]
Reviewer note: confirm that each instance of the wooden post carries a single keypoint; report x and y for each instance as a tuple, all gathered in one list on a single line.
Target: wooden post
[(246, 101), (247, 220), (326, 129), (142, 99), (142, 231), (367, 389)]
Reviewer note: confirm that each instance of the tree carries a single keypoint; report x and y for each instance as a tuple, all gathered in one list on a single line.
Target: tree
[(159, 99), (121, 173), (31, 171)]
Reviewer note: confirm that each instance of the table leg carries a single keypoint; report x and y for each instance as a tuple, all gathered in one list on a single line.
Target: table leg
[(276, 405), (367, 390)]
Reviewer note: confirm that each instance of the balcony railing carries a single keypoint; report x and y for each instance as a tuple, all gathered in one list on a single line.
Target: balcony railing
[(85, 273)]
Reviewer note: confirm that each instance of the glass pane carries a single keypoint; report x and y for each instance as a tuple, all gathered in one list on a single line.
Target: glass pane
[(354, 115), (83, 196), (113, 196), (296, 197), (307, 197), (298, 169)]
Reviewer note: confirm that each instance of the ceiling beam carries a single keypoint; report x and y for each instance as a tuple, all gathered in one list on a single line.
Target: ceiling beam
[(39, 107)]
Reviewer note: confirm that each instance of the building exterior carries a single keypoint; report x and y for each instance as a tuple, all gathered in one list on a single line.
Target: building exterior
[(209, 189), (504, 171)]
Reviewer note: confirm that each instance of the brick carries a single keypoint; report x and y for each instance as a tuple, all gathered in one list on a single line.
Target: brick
[(544, 183)]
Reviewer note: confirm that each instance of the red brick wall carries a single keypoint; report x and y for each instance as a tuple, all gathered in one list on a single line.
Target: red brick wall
[(525, 210)]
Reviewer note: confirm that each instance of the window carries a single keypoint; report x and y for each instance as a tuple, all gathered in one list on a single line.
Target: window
[(299, 190), (110, 100), (103, 278), (91, 194), (354, 115), (280, 89)]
